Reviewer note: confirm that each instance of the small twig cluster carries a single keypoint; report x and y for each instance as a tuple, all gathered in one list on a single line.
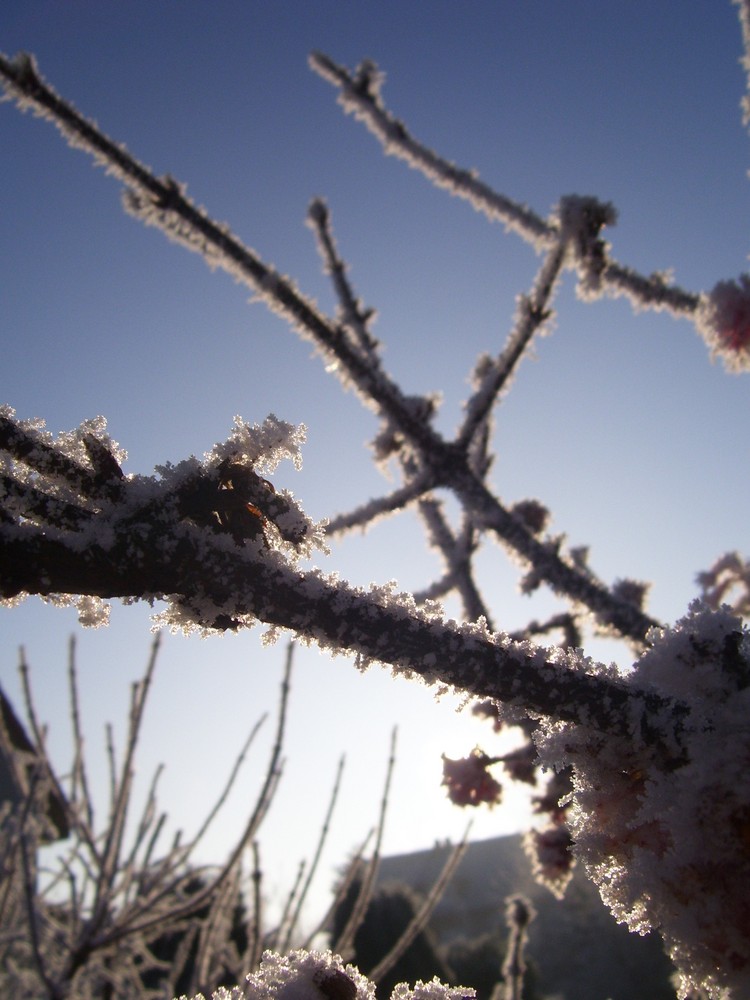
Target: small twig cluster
[(116, 916), (98, 922)]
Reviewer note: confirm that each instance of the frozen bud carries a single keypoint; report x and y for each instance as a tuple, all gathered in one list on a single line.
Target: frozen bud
[(468, 782), (483, 366), (368, 79), (317, 212), (552, 862), (631, 591), (581, 220), (727, 582), (533, 514), (723, 320), (521, 764), (519, 912), (579, 556)]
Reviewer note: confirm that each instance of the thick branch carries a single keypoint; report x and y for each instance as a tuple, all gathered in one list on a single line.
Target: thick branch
[(152, 561)]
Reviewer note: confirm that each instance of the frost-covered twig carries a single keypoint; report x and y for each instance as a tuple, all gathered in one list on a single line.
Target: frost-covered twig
[(324, 830), (369, 513), (423, 914), (457, 551), (120, 903), (344, 943), (492, 376), (80, 791), (360, 96), (519, 914), (355, 317), (255, 935)]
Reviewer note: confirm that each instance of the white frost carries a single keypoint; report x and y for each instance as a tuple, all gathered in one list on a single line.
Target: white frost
[(666, 835)]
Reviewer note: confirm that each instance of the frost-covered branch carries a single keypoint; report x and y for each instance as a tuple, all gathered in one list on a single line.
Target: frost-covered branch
[(457, 551), (720, 316), (192, 536), (162, 202), (360, 96), (366, 515)]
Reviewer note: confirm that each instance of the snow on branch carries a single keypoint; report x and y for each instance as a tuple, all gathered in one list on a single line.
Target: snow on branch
[(321, 975), (667, 841)]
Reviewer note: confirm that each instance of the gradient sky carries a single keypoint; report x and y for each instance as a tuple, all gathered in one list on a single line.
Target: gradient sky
[(621, 424)]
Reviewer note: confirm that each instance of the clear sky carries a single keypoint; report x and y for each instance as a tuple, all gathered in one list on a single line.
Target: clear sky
[(621, 424)]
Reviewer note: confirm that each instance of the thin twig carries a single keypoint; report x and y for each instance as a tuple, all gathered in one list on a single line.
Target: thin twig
[(342, 890), (344, 944), (316, 857), (79, 775), (423, 914), (360, 96), (237, 766), (255, 936), (290, 897), (140, 916)]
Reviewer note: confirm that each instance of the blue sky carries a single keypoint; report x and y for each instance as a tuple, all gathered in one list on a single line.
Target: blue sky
[(620, 424)]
